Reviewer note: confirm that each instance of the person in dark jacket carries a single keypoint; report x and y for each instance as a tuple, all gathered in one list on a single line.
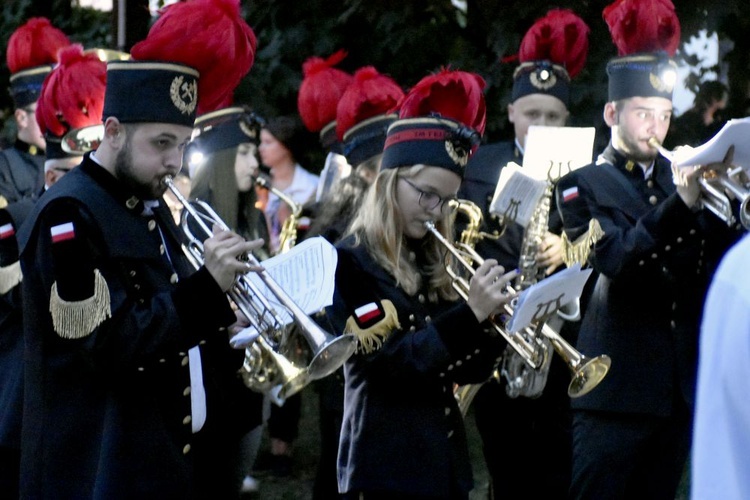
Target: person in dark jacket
[(123, 339), (631, 435), (402, 434)]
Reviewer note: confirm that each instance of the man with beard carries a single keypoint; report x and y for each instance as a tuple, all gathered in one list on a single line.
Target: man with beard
[(121, 332), (654, 261)]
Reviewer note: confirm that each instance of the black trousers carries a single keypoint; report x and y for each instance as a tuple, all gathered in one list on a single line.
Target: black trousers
[(629, 456)]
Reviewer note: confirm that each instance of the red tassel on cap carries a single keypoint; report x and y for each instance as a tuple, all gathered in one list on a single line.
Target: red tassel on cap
[(370, 94), (560, 37), (208, 35), (73, 93), (321, 89), (34, 44), (643, 26), (451, 94)]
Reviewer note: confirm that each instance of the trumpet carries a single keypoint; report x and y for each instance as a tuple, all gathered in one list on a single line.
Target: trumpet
[(288, 233), (720, 183), (266, 365), (529, 344)]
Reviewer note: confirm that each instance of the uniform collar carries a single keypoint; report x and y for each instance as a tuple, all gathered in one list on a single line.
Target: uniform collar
[(627, 166), (110, 184), (26, 147)]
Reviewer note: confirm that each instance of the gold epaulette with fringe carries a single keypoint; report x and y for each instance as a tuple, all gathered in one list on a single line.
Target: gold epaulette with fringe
[(372, 338), (75, 320), (10, 276), (580, 249)]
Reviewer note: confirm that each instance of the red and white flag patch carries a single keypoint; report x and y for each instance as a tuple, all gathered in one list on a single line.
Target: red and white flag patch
[(62, 232), (367, 313), (6, 231), (570, 193)]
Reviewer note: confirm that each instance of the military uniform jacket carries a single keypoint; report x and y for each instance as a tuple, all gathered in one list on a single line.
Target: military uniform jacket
[(107, 413), (21, 173), (654, 264), (402, 430), (479, 183), (11, 329)]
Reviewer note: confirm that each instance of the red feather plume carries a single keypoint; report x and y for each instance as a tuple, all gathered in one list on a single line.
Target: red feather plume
[(643, 26), (34, 44), (208, 35), (73, 93), (452, 94), (370, 94), (560, 37), (321, 89)]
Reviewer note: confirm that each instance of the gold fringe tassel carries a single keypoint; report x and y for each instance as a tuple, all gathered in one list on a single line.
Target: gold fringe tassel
[(580, 249), (10, 276), (371, 339), (75, 320)]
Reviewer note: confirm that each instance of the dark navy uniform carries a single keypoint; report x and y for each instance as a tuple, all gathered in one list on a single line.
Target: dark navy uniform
[(402, 431), (654, 262), (514, 430), (21, 172), (107, 411)]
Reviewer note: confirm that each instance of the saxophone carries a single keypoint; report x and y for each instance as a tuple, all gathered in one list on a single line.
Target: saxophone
[(288, 232), (521, 380)]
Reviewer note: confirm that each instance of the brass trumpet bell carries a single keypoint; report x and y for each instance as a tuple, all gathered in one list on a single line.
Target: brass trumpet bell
[(587, 374)]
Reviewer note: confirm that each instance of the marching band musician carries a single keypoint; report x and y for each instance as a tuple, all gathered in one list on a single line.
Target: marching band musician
[(403, 435), (363, 112), (32, 50), (540, 96), (81, 77), (654, 261), (122, 339)]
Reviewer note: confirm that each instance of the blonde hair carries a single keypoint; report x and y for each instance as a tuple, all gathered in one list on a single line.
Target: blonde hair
[(377, 225)]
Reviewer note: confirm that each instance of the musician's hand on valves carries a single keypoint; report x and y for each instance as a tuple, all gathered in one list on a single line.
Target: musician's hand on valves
[(686, 182), (550, 255), (221, 253), (488, 289)]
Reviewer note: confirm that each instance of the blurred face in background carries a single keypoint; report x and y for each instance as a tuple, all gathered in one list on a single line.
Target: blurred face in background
[(28, 128), (246, 166), (535, 109), (272, 152)]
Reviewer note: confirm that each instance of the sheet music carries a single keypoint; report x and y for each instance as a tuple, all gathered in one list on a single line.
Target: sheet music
[(516, 195), (733, 133), (552, 152), (306, 273), (548, 295)]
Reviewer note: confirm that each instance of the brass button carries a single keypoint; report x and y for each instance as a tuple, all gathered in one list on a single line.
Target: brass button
[(161, 249), (650, 183), (447, 411), (132, 273), (421, 298), (673, 324), (411, 317), (692, 231), (187, 420), (140, 368), (174, 278), (427, 319), (162, 360), (653, 255), (450, 434), (184, 361), (187, 391), (137, 286), (459, 362), (652, 199), (450, 367), (413, 328), (468, 357), (641, 263), (679, 239), (476, 351), (151, 225), (667, 248), (186, 449)]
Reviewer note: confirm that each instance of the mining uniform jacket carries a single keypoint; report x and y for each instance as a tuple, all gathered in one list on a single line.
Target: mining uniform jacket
[(107, 411), (654, 263), (402, 430), (21, 173)]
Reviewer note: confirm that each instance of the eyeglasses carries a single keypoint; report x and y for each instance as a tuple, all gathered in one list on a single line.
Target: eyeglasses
[(429, 200)]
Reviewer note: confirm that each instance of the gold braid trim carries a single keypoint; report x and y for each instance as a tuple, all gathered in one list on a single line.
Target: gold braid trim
[(579, 250), (10, 276), (371, 339), (75, 320)]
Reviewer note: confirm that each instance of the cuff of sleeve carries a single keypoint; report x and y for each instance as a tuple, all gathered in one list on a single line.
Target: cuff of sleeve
[(201, 304), (458, 329)]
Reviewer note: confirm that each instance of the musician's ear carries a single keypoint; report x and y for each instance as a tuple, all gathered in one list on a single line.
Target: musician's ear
[(611, 116)]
